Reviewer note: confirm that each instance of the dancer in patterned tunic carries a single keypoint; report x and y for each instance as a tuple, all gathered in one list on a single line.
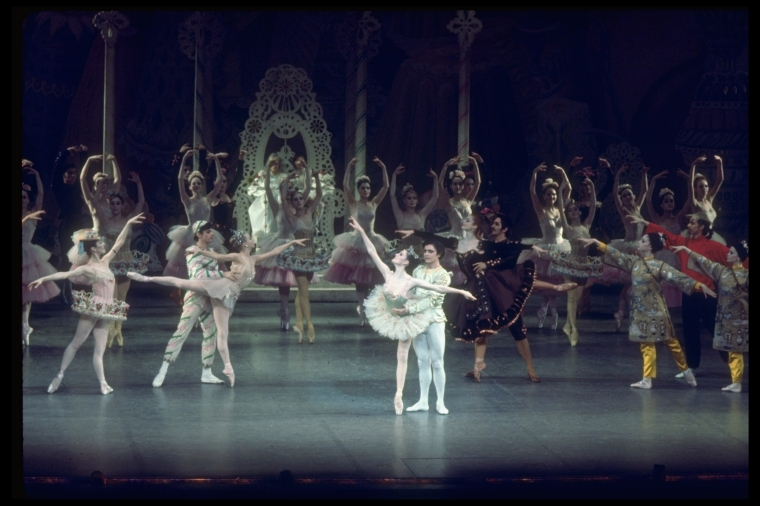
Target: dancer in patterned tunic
[(97, 308)]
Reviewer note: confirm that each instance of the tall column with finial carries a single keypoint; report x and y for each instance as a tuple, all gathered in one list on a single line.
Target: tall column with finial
[(465, 25), (200, 39), (366, 27), (110, 23)]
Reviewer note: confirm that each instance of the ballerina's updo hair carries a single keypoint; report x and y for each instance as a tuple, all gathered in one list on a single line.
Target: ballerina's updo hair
[(194, 174), (549, 183), (623, 187), (657, 240), (699, 176), (664, 192), (361, 180), (101, 175), (742, 249), (406, 189)]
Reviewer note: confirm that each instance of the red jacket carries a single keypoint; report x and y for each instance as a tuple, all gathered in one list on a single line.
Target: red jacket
[(712, 250)]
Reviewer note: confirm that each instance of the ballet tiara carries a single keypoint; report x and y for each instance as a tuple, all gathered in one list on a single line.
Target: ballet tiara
[(26, 187), (238, 237)]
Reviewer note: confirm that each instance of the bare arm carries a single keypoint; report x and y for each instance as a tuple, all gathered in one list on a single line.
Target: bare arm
[(219, 176), (40, 189), (268, 190), (347, 191), (433, 198), (276, 251), (220, 258), (386, 184), (475, 176), (317, 196), (443, 196), (568, 188), (616, 192), (397, 213), (440, 288), (86, 193), (36, 216), (644, 187), (122, 238), (693, 174), (183, 195), (561, 202), (592, 209), (287, 207), (537, 207), (649, 195), (116, 174), (82, 270), (384, 269), (718, 179), (301, 165), (135, 178)]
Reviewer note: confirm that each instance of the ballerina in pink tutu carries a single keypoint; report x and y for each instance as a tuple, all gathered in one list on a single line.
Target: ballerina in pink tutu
[(34, 258), (350, 263)]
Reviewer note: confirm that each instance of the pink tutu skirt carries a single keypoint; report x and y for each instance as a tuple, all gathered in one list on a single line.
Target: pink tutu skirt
[(350, 264), (268, 273), (34, 265)]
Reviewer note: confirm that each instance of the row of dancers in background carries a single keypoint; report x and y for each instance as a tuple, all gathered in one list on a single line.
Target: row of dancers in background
[(349, 249)]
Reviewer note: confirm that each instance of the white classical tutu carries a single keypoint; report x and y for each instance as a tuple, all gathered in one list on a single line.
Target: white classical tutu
[(377, 308), (544, 263), (351, 264), (34, 265)]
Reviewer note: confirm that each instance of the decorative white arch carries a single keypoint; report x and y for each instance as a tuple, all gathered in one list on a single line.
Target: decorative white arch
[(286, 119)]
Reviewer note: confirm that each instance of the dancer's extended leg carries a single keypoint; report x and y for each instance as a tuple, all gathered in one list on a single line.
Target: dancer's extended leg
[(192, 285), (402, 360)]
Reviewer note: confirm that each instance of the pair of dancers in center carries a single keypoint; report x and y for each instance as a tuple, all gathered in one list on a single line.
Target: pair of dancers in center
[(396, 310)]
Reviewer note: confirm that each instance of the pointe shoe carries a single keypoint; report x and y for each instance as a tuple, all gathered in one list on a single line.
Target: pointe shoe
[(159, 379), (533, 376), (299, 329), (362, 317), (479, 367), (541, 316), (689, 377), (398, 404), (119, 337), (55, 383), (208, 377), (733, 387), (284, 315), (574, 337), (645, 383), (567, 329), (227, 371), (104, 388), (618, 320), (26, 331), (441, 408), (310, 333), (555, 320)]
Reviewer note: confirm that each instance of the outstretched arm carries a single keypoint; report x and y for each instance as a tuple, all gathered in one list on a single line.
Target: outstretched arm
[(693, 174), (183, 195), (268, 189), (561, 202), (386, 184), (649, 194), (718, 179), (347, 191), (537, 207), (40, 189), (475, 175), (616, 191), (397, 213), (122, 238), (219, 257), (433, 197), (443, 196), (116, 174), (318, 195), (440, 288), (568, 188), (301, 166), (82, 270), (279, 249), (36, 216), (384, 269)]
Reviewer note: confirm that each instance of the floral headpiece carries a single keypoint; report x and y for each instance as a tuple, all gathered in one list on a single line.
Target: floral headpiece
[(666, 191), (238, 237), (407, 188), (410, 253), (26, 187), (86, 234), (586, 172), (457, 173), (745, 245)]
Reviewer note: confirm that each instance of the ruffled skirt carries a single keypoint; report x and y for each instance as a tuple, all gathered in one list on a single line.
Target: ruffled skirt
[(89, 304), (34, 265), (543, 265), (268, 273), (350, 264), (290, 260), (390, 325)]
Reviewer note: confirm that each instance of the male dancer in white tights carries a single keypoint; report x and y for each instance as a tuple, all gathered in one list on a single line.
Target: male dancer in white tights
[(429, 346), (196, 308)]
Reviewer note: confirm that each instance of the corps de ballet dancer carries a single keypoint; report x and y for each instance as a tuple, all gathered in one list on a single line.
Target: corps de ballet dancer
[(197, 208), (702, 195), (732, 318), (96, 308), (34, 258), (223, 292), (394, 294), (408, 217), (303, 260), (350, 264), (196, 308), (576, 265), (650, 320), (551, 240)]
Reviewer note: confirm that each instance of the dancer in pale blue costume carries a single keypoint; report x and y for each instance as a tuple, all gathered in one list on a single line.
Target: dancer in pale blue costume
[(393, 294)]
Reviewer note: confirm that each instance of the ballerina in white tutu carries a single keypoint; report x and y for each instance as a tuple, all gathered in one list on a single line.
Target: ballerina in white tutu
[(97, 308), (198, 208), (223, 292), (34, 258), (350, 263), (394, 294)]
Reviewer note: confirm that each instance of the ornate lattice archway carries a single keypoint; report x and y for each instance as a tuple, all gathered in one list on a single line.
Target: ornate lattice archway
[(286, 119)]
